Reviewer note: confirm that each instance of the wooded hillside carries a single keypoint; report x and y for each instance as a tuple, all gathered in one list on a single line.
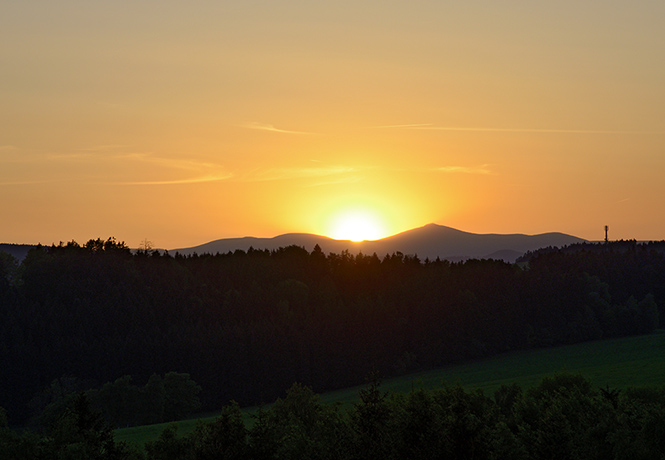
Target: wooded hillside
[(246, 325)]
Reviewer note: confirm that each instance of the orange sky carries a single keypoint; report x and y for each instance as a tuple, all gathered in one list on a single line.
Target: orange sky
[(185, 122)]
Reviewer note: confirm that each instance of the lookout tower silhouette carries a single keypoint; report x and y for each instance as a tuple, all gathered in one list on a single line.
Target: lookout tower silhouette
[(607, 228)]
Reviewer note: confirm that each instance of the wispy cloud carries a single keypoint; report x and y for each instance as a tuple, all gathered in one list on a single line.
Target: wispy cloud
[(341, 180), (271, 128), (406, 126), (195, 170), (482, 169), (146, 158), (105, 165), (105, 148), (24, 182), (275, 174), (194, 180), (432, 127), (211, 172), (174, 163), (66, 157)]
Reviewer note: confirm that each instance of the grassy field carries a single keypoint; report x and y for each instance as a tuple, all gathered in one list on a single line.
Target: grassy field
[(619, 363)]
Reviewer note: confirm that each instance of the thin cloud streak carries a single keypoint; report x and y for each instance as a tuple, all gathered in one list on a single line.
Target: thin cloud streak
[(483, 169), (105, 148), (299, 173), (413, 125), (271, 128), (345, 180), (174, 163), (105, 158), (24, 182), (196, 180), (200, 169), (431, 127)]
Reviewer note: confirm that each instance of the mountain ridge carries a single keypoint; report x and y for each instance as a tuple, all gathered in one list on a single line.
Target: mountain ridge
[(429, 241)]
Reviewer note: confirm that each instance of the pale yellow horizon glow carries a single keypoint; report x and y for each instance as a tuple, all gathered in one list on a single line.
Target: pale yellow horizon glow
[(184, 123)]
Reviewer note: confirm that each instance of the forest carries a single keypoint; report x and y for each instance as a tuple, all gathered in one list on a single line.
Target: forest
[(563, 417), (245, 326)]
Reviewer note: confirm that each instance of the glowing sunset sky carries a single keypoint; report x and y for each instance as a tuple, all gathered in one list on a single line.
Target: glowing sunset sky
[(185, 122)]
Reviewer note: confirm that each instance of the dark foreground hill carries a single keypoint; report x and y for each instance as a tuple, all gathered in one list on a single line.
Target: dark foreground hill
[(430, 241)]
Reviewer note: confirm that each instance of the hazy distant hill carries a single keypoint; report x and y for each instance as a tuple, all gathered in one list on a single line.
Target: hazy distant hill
[(429, 241)]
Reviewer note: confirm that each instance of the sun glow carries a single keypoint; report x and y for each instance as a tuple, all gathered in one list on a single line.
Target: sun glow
[(357, 225)]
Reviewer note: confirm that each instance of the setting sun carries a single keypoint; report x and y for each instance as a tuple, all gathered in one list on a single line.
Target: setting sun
[(356, 225)]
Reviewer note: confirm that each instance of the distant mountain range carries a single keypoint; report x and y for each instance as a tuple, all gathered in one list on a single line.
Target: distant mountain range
[(430, 241)]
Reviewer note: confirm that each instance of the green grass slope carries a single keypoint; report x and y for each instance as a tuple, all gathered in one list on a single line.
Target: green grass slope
[(617, 363)]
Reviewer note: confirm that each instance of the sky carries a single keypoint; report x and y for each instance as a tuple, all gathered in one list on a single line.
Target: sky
[(184, 122)]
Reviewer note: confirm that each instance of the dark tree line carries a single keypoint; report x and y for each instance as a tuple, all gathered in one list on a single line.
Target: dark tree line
[(563, 417), (245, 325), (122, 403), (78, 433)]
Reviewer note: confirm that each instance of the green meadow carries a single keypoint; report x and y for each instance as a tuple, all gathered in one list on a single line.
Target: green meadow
[(617, 363)]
